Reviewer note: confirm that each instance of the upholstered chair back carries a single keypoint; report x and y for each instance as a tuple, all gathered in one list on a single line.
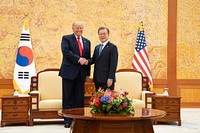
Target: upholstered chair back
[(130, 81), (50, 85)]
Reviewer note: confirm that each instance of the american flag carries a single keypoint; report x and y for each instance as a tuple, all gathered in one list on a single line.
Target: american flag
[(140, 59)]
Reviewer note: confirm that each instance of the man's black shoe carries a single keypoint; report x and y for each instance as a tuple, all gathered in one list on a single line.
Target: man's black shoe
[(67, 125)]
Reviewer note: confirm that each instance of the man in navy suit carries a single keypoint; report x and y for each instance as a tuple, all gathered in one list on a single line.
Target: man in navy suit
[(105, 59), (75, 50)]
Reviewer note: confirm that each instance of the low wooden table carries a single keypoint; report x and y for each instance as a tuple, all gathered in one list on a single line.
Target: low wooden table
[(85, 122)]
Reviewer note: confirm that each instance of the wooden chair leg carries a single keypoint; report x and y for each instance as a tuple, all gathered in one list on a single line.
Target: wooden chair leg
[(31, 121)]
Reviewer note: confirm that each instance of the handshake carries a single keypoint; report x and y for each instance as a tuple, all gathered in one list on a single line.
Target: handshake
[(83, 61)]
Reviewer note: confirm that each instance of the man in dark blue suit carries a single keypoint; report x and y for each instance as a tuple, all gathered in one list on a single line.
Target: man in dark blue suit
[(105, 59), (75, 50)]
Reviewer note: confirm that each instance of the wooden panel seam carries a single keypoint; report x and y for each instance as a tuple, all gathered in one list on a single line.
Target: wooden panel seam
[(6, 81)]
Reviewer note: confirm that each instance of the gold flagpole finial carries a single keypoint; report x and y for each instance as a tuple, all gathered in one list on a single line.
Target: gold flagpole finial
[(26, 14), (141, 25), (26, 20), (26, 24)]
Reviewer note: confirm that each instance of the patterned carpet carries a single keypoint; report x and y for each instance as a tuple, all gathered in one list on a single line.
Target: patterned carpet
[(190, 124)]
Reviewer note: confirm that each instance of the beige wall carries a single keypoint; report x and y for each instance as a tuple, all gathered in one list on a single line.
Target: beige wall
[(188, 39), (51, 19)]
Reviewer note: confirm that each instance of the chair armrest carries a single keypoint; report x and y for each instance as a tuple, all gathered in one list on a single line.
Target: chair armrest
[(147, 97), (35, 97), (34, 92), (144, 94)]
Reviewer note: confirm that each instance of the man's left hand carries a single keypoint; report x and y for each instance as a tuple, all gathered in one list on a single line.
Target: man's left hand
[(109, 82)]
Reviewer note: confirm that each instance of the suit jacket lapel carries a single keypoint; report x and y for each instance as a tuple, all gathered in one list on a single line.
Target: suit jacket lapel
[(84, 44), (76, 43), (97, 52), (104, 49)]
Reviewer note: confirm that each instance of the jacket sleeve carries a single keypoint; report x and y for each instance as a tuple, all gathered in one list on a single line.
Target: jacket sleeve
[(89, 56), (113, 62), (92, 60), (67, 52)]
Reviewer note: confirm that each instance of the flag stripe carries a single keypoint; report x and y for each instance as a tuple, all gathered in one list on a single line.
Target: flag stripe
[(147, 67), (142, 64), (142, 57), (141, 67), (25, 36), (147, 58), (24, 39)]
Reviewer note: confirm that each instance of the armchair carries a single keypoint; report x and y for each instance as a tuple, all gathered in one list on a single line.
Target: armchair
[(133, 82), (46, 95)]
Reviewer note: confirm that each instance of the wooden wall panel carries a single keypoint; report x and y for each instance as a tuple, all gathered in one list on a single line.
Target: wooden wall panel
[(159, 85), (6, 83), (190, 92), (190, 95), (171, 52), (6, 87), (5, 92)]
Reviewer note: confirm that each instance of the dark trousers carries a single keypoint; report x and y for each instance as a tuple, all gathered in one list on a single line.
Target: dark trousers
[(72, 94), (104, 86)]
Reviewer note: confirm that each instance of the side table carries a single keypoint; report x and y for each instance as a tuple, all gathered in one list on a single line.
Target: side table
[(170, 104), (15, 109)]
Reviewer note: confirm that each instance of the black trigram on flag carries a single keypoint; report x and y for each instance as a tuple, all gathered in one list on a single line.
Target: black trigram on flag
[(23, 75), (25, 37)]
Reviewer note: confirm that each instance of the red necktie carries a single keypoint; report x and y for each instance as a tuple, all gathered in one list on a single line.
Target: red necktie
[(80, 47)]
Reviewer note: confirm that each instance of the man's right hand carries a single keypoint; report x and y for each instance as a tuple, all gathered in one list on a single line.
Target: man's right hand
[(83, 61)]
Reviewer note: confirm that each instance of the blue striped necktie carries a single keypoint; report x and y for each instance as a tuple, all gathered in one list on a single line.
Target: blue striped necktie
[(100, 49)]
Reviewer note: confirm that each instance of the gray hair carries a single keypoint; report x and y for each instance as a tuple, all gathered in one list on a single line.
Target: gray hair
[(78, 23)]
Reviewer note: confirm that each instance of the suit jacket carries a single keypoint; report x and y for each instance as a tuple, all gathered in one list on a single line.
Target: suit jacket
[(70, 66), (105, 65)]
